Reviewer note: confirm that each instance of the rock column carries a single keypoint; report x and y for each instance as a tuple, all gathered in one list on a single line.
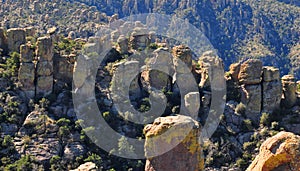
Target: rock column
[(163, 138), (26, 74), (2, 39), (289, 96), (15, 38), (45, 66), (251, 89), (271, 87)]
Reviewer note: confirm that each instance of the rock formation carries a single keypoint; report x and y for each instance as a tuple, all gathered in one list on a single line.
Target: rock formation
[(15, 38), (44, 66), (250, 72), (289, 97), (3, 42), (26, 74), (122, 44), (250, 77), (139, 38), (160, 70), (281, 152), (187, 155), (89, 166), (271, 89)]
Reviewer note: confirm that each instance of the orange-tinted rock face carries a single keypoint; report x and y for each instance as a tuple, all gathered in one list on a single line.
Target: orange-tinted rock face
[(164, 134), (281, 152)]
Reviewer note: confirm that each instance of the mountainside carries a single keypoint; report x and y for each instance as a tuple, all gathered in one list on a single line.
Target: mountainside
[(238, 29)]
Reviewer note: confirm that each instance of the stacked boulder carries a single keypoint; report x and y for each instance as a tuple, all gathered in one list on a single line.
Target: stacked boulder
[(159, 71), (44, 66), (140, 39), (182, 59), (26, 74), (281, 152), (15, 38), (173, 138), (122, 44), (251, 91), (289, 87), (271, 88)]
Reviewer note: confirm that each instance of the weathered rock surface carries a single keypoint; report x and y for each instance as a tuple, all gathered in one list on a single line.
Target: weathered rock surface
[(89, 166), (270, 74), (289, 97), (234, 70), (44, 49), (271, 88), (139, 38), (26, 74), (123, 44), (63, 67), (251, 97), (187, 155), (73, 150), (184, 54), (281, 152), (45, 66), (3, 42), (250, 72), (15, 38), (212, 71), (45, 145), (158, 74)]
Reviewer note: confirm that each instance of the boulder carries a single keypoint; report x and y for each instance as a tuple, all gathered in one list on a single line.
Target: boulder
[(289, 96), (212, 70), (89, 166), (73, 150), (270, 74), (122, 44), (15, 38), (172, 143), (184, 54), (139, 39), (280, 152), (251, 72)]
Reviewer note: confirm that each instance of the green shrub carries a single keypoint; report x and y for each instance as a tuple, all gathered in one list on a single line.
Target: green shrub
[(63, 131), (95, 158), (247, 125), (240, 109), (275, 125), (249, 146), (11, 65), (265, 119), (241, 163), (25, 163), (63, 122)]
